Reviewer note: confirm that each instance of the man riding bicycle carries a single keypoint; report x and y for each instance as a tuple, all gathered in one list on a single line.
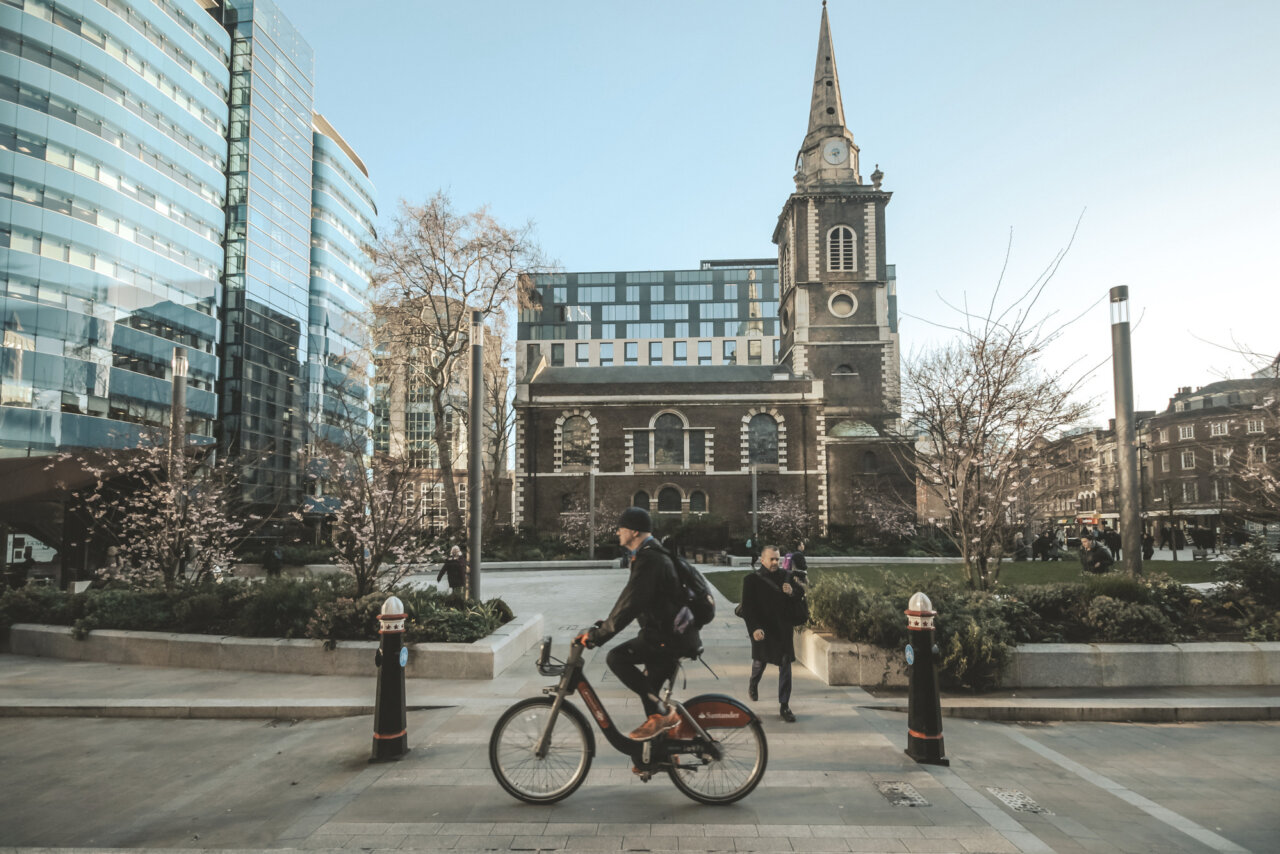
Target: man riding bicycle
[(651, 598)]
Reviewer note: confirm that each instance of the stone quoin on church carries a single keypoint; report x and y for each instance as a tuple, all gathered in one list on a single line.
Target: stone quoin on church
[(673, 385)]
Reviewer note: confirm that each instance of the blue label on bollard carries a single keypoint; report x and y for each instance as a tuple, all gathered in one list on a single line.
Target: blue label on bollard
[(911, 655), (404, 657)]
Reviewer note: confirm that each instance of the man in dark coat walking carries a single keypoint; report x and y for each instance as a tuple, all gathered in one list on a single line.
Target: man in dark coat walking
[(454, 570), (771, 607)]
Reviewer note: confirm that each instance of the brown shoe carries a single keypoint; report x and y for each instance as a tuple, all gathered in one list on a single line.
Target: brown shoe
[(655, 725)]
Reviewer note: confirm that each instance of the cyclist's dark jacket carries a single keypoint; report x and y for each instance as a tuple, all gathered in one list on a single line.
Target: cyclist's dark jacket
[(650, 598)]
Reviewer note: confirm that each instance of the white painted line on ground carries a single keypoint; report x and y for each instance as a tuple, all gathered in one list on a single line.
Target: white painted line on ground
[(1150, 807)]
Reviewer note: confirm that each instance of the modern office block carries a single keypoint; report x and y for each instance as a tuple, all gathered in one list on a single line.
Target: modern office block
[(165, 182), (342, 212), (266, 286), (113, 127), (724, 313)]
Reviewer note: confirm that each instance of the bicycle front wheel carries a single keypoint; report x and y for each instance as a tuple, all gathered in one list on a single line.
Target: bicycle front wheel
[(742, 752), (519, 770)]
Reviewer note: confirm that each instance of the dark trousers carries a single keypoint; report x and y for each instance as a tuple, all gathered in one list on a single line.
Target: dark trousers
[(784, 678), (642, 667)]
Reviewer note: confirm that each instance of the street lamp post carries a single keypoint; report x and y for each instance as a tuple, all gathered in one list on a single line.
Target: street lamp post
[(1122, 370), (475, 457)]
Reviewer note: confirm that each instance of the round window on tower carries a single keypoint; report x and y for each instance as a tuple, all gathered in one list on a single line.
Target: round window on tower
[(842, 304), (784, 320)]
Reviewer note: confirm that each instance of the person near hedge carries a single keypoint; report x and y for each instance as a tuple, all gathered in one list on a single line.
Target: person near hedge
[(1148, 546), (1094, 555), (800, 566), (454, 570), (772, 607)]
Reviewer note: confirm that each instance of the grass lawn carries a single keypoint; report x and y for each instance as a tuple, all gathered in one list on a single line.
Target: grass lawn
[(1013, 572)]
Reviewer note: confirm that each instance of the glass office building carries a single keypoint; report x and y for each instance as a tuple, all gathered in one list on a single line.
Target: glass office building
[(724, 313), (113, 125), (165, 182), (266, 293), (342, 213)]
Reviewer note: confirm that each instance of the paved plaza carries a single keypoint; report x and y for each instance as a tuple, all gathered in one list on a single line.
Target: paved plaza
[(288, 769)]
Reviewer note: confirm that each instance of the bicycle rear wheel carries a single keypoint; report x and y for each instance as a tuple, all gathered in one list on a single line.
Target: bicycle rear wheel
[(743, 752), (556, 775)]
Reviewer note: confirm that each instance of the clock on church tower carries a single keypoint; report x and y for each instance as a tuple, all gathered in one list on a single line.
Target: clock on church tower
[(837, 308)]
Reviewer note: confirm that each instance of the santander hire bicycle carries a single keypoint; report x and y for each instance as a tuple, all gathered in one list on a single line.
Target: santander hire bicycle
[(541, 748)]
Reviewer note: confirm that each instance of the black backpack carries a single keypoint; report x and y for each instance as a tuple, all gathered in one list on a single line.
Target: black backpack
[(695, 595)]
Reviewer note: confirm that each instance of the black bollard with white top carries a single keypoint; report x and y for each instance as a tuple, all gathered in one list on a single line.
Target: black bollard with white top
[(924, 702), (390, 725)]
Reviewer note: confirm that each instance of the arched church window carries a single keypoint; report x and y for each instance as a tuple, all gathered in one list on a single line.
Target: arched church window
[(698, 502), (668, 440), (762, 435), (870, 464), (669, 500), (576, 442), (641, 500), (840, 249)]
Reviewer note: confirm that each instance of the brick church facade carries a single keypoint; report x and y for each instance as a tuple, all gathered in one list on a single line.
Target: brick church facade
[(818, 421)]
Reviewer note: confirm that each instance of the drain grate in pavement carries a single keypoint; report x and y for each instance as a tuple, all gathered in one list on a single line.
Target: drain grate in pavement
[(902, 794), (1019, 801)]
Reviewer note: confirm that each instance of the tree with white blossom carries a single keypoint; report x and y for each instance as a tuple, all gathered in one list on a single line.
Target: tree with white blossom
[(169, 520)]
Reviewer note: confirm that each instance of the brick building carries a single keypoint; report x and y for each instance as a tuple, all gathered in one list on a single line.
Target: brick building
[(814, 418)]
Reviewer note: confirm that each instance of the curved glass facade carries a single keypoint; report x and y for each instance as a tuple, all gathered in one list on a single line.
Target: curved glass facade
[(342, 215), (112, 184)]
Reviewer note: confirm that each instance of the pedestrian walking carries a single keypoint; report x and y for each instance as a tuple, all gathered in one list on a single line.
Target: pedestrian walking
[(455, 570), (772, 607), (1148, 545), (1111, 539), (800, 566)]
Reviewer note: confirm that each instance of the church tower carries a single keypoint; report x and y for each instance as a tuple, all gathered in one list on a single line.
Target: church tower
[(838, 309)]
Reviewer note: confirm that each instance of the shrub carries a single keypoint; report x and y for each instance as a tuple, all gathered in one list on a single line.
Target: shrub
[(346, 618), (1117, 586), (201, 612), (32, 604), (1118, 621), (275, 608), (1252, 571), (1049, 613)]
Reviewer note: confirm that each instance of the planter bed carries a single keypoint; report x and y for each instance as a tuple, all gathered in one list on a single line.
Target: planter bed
[(482, 659), (1061, 665)]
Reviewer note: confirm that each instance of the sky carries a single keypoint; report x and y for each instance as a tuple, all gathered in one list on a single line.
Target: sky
[(1140, 137)]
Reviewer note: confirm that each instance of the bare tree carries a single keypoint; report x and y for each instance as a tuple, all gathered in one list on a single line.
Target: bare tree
[(500, 417), (434, 267), (981, 405)]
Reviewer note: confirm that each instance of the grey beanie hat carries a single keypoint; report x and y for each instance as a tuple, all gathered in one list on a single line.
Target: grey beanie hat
[(637, 519)]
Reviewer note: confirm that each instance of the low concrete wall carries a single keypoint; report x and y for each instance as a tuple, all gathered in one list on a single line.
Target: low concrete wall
[(1099, 665), (482, 659)]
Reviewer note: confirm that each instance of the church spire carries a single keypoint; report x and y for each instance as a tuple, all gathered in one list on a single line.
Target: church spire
[(828, 154), (826, 112)]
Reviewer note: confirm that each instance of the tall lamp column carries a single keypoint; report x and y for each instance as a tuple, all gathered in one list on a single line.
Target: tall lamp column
[(1122, 370)]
